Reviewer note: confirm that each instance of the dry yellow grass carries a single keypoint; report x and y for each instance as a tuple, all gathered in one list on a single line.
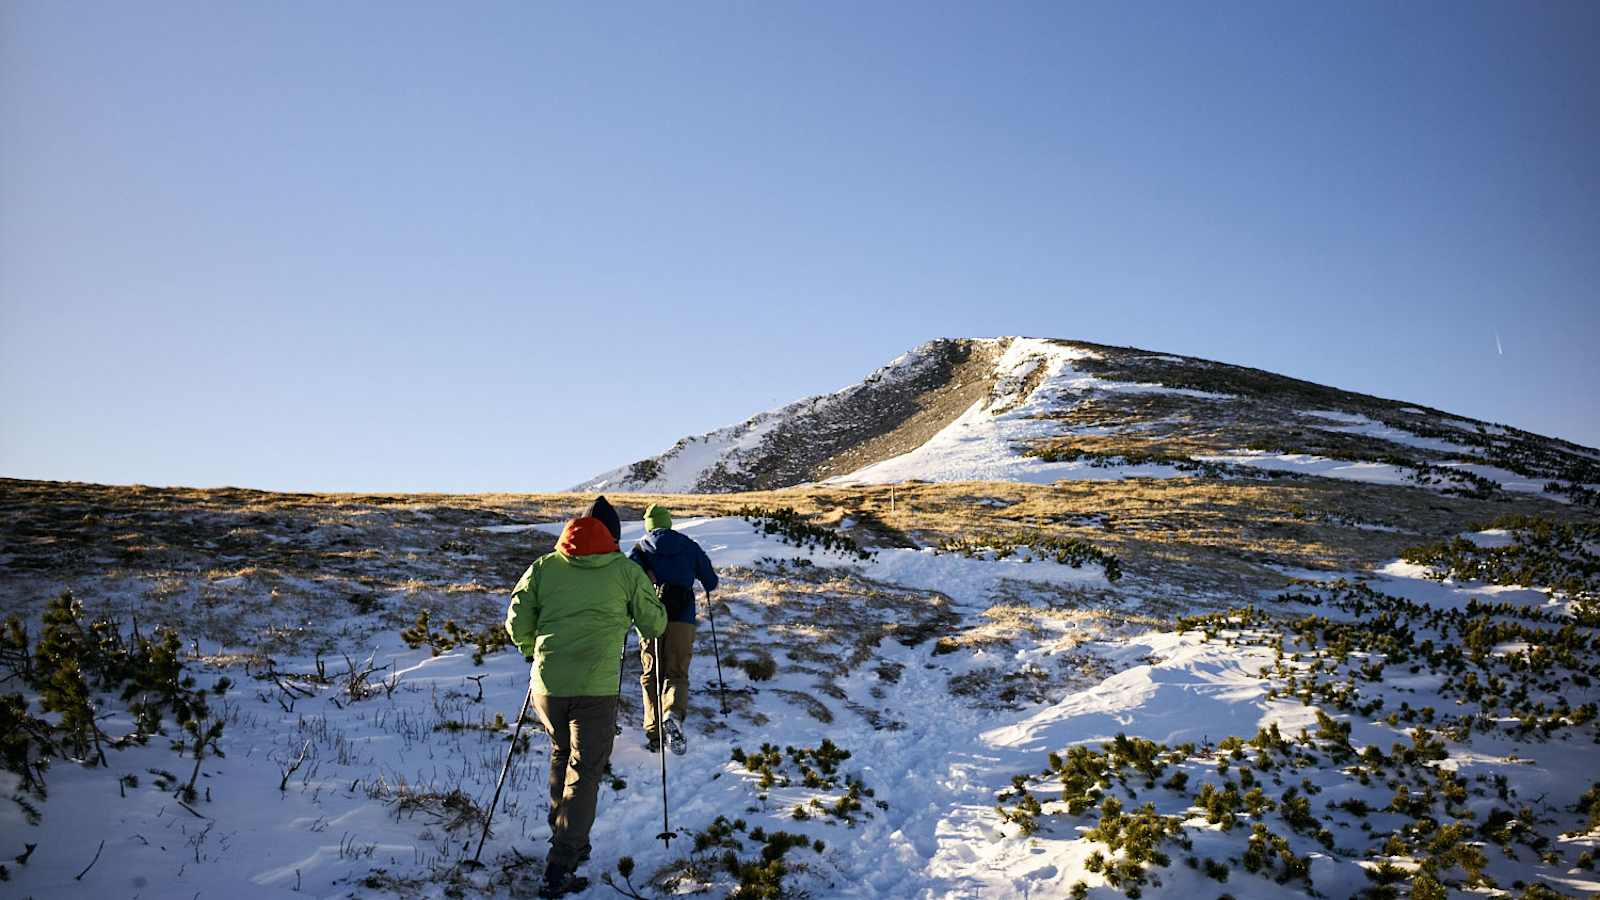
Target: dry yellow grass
[(1157, 526)]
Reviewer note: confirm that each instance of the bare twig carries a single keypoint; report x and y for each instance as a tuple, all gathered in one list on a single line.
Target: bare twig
[(295, 691), (192, 811), (200, 839), (294, 767), (79, 876), (356, 686)]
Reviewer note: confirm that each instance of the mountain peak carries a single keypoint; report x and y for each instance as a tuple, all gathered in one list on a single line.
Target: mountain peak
[(1043, 409)]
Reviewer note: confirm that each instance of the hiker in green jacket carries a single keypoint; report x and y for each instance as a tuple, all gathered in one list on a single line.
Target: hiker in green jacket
[(569, 615)]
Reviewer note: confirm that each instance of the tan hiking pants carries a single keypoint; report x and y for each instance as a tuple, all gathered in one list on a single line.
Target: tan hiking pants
[(677, 646), (581, 732)]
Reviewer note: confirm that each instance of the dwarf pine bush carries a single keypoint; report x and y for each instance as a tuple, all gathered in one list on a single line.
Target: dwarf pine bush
[(1070, 551), (485, 640), (1542, 552), (718, 849), (1487, 658), (1589, 805), (63, 689), (792, 528), (76, 657)]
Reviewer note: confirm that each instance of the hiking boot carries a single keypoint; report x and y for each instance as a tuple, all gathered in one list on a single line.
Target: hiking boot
[(651, 746), (561, 882), (677, 742)]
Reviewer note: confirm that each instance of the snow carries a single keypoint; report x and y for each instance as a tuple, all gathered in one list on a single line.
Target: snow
[(937, 772), (1413, 582), (736, 542), (1309, 464), (336, 820), (682, 466), (1355, 423), (1304, 574), (692, 458), (1337, 415), (1493, 537), (1370, 472), (1186, 689), (987, 441), (980, 446), (983, 443), (1194, 690)]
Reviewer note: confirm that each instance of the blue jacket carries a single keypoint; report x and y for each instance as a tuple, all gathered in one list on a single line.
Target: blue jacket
[(674, 559)]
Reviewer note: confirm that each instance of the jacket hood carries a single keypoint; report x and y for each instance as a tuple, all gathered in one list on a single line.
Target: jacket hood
[(586, 536), (656, 516)]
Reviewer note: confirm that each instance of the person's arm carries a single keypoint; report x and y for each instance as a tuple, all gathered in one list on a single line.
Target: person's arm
[(644, 607), (522, 615), (639, 556), (703, 569)]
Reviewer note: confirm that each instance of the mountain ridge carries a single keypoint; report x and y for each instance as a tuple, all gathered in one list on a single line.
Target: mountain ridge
[(1041, 409)]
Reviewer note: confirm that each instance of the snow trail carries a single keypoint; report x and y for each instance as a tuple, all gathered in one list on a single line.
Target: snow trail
[(369, 812)]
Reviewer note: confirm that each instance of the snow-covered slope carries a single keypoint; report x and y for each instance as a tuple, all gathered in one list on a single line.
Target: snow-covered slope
[(811, 438), (1042, 410), (796, 442), (1035, 379), (1288, 768)]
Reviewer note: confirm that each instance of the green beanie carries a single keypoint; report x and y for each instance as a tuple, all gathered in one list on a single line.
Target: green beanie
[(657, 517)]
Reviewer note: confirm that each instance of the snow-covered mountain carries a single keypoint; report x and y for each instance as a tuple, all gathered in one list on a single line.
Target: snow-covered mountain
[(1042, 410), (891, 411)]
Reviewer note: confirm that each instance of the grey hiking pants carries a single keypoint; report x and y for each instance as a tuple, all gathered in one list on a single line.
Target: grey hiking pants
[(581, 731)]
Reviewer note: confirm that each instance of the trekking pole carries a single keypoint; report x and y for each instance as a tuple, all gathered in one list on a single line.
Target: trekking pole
[(722, 692), (622, 661), (504, 768), (666, 834)]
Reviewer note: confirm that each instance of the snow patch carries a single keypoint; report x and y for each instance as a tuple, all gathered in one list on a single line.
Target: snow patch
[(984, 443)]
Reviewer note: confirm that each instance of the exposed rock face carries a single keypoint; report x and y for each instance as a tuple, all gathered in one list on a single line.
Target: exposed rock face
[(892, 411)]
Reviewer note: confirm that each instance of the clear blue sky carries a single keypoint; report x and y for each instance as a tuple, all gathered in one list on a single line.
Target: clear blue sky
[(506, 246)]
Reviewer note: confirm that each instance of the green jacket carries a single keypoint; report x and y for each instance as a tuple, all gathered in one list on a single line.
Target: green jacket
[(571, 610)]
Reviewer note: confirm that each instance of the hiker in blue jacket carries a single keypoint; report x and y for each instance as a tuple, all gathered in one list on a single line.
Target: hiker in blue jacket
[(674, 562)]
